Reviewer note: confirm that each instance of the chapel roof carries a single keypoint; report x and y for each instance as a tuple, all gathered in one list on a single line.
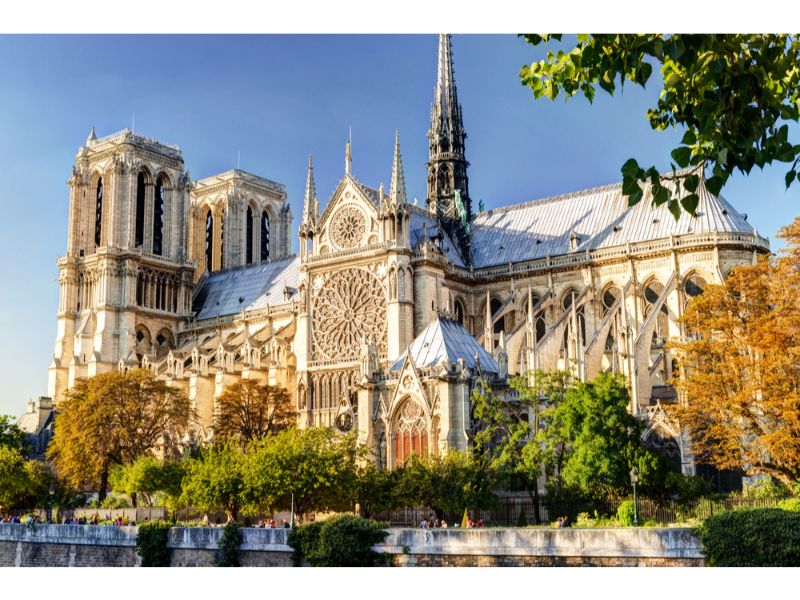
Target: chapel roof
[(446, 339)]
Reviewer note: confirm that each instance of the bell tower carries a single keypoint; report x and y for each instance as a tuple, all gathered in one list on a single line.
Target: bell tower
[(448, 186)]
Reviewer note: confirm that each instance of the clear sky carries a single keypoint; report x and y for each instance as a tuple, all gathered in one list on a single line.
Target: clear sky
[(276, 99)]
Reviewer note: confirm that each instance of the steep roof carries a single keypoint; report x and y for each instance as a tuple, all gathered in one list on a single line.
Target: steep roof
[(446, 339), (248, 288), (600, 217), (420, 217)]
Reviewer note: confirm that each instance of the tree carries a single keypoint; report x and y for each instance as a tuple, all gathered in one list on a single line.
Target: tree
[(112, 419), (512, 434), (314, 467), (739, 367), (248, 410), (733, 94), (24, 483), (374, 489), (12, 436), (447, 483), (602, 440), (216, 480), (148, 478)]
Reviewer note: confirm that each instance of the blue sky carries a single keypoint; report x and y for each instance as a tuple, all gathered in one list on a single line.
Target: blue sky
[(276, 99)]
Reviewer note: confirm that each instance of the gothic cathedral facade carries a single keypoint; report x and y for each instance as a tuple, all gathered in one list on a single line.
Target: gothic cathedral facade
[(389, 312)]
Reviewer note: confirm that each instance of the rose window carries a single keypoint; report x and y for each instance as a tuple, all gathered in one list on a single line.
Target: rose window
[(348, 227), (351, 305)]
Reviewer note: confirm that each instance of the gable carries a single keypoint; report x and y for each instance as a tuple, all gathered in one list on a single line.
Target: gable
[(350, 220)]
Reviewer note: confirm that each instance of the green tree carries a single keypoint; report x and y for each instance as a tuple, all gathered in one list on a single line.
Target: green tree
[(248, 410), (12, 436), (314, 466), (733, 95), (512, 434), (447, 483), (374, 489), (24, 483), (112, 419), (149, 479), (216, 480), (602, 440)]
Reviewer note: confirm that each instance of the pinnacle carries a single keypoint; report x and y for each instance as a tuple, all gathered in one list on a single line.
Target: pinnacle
[(397, 190)]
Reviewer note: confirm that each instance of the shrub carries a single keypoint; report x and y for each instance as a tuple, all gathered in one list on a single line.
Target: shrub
[(341, 541), (151, 543), (626, 512), (229, 544), (521, 520), (763, 537), (790, 504), (766, 487)]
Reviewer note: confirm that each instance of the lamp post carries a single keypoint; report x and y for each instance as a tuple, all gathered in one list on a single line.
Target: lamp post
[(634, 479)]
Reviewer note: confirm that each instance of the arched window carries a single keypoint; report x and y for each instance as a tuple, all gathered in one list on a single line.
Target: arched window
[(610, 297), (264, 236), (249, 237), (694, 286), (222, 241), (98, 217), (158, 217), (209, 241), (139, 239), (494, 306), (458, 309), (410, 433)]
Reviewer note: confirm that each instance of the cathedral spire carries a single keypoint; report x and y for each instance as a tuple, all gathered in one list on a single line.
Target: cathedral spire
[(397, 190), (310, 199), (348, 159), (448, 187)]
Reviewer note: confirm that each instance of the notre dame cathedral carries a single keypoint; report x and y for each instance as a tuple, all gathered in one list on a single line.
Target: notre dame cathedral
[(390, 311)]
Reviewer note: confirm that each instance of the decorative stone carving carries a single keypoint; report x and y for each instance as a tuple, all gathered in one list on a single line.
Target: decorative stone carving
[(348, 227), (351, 305)]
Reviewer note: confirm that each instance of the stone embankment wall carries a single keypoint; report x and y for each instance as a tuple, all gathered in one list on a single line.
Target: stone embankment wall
[(507, 546), (87, 545)]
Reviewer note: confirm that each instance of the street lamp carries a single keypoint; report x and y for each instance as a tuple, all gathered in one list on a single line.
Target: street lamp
[(634, 479)]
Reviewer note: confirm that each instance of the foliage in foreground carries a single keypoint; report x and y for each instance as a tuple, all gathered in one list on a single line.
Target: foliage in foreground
[(734, 95), (229, 543), (341, 541), (151, 543), (739, 367), (764, 537)]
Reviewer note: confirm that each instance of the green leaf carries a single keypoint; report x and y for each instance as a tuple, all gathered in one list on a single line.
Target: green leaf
[(722, 156), (690, 183), (630, 169), (790, 177), (630, 186), (689, 138), (690, 203), (714, 184), (660, 195), (681, 156), (674, 208)]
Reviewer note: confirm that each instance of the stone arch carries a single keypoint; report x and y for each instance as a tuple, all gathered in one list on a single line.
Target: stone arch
[(663, 438), (144, 340), (164, 342)]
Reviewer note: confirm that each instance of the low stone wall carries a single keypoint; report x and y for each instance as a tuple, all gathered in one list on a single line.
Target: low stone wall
[(88, 545), (543, 547)]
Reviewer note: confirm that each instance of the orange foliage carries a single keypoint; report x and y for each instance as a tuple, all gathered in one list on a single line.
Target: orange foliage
[(740, 367)]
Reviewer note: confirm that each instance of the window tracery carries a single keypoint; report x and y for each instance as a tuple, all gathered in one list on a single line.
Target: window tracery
[(349, 306), (348, 227)]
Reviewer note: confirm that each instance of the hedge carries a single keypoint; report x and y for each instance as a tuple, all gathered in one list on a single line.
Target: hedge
[(151, 543), (341, 541), (762, 537)]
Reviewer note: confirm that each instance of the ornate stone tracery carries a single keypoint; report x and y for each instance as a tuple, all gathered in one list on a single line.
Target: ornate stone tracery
[(348, 227), (350, 306)]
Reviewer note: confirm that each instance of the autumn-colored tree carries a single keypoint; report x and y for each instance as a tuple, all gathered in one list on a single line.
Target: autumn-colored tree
[(740, 367), (112, 419), (248, 410)]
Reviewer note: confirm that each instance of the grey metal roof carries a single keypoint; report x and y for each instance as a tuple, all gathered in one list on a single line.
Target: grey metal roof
[(446, 339), (420, 217), (600, 217), (248, 288)]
